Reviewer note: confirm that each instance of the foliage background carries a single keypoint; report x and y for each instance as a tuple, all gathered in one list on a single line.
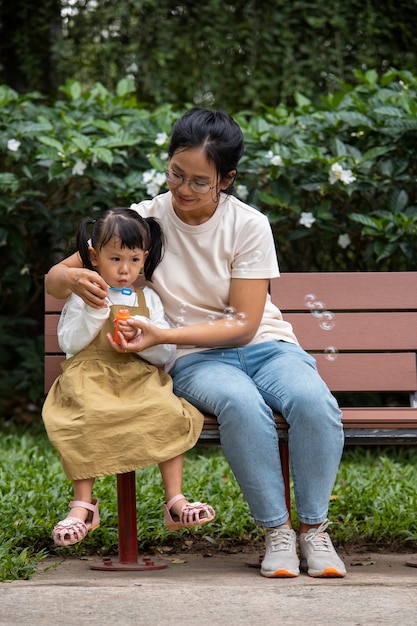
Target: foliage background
[(234, 55)]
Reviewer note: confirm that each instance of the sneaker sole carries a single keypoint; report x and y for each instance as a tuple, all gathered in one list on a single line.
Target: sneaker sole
[(330, 572), (281, 573)]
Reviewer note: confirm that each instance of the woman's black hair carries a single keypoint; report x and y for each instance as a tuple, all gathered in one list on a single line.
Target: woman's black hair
[(216, 132), (130, 228)]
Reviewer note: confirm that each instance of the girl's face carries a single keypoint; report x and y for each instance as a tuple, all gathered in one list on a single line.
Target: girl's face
[(118, 266), (190, 206)]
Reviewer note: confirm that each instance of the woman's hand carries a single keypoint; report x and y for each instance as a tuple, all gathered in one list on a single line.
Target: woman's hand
[(69, 276), (89, 286), (145, 335)]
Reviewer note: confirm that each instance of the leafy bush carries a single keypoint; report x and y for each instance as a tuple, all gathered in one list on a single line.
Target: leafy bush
[(337, 181)]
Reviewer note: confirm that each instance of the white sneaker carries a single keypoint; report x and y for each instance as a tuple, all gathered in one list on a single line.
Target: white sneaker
[(317, 549), (280, 560)]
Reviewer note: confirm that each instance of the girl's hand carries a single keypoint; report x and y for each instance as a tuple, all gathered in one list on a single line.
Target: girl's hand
[(145, 335), (128, 331)]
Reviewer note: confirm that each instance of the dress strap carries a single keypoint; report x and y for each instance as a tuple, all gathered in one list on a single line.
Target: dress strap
[(142, 302)]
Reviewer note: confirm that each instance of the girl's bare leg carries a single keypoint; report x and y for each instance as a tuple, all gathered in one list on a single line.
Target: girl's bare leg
[(83, 490), (171, 472)]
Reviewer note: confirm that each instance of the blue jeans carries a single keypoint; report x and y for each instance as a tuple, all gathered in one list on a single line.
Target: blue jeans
[(241, 386)]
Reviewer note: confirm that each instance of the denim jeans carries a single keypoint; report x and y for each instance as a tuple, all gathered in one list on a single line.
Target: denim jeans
[(241, 386)]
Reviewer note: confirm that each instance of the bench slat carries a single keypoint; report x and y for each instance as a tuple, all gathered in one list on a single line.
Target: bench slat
[(394, 372), (347, 290), (352, 331)]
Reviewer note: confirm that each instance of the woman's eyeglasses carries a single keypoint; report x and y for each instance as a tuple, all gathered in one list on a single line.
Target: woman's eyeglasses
[(195, 185)]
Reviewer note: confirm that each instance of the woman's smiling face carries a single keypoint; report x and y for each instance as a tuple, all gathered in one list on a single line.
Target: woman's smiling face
[(190, 206)]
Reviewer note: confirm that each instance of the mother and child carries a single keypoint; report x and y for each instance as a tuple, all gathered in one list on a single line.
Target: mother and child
[(219, 256)]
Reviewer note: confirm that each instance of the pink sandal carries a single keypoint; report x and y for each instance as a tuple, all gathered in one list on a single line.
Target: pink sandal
[(72, 530), (192, 514)]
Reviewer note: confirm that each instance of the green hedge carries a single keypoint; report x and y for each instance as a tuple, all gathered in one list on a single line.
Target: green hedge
[(337, 181)]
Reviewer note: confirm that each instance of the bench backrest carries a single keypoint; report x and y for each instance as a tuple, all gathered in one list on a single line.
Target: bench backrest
[(375, 328)]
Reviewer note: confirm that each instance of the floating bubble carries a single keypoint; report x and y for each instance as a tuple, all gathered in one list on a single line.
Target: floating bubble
[(229, 312), (241, 319), (183, 308), (331, 353), (179, 321), (327, 320), (211, 319), (317, 309), (258, 256), (309, 300)]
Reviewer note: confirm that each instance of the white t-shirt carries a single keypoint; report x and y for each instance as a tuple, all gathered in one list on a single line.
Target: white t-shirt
[(79, 324), (193, 278)]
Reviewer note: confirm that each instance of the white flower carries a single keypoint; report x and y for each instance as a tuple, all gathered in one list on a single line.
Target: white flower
[(242, 192), (161, 139), (274, 159), (307, 219), (153, 181), (344, 240), (338, 173), (79, 168), (13, 145)]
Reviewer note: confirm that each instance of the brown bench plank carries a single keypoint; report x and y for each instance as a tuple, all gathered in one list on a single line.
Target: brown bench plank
[(347, 290), (352, 331), (350, 372)]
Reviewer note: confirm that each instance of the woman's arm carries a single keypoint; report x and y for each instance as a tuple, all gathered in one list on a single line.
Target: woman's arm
[(69, 276), (247, 297)]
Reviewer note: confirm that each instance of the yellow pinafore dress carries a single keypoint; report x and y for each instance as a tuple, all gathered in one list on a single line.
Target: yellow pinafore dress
[(111, 413)]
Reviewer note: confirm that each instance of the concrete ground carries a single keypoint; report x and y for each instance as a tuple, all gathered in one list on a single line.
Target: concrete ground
[(218, 590)]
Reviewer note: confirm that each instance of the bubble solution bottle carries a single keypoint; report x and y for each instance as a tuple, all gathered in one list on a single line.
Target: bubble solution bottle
[(121, 315)]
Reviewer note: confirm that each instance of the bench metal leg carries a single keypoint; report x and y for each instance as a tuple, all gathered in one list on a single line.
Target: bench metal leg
[(127, 531)]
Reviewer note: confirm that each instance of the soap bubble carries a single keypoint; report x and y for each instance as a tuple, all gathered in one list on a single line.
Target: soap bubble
[(317, 309), (331, 353), (229, 312), (211, 319), (327, 320), (309, 300), (183, 308), (241, 319), (179, 321)]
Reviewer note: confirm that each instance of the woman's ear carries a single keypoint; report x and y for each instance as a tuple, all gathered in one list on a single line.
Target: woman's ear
[(93, 256), (228, 180)]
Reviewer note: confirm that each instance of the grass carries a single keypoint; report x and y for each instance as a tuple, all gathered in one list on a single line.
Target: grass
[(373, 504)]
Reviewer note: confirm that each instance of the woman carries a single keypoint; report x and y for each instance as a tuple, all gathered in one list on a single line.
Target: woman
[(236, 356)]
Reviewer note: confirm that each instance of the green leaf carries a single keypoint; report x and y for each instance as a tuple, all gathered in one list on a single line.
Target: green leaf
[(9, 181), (374, 153), (125, 86), (51, 142), (103, 154), (398, 200)]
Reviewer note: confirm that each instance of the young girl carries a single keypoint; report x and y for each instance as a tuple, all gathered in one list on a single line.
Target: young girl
[(111, 413)]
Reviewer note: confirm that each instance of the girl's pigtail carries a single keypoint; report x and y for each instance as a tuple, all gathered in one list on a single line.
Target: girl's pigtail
[(156, 248), (83, 242)]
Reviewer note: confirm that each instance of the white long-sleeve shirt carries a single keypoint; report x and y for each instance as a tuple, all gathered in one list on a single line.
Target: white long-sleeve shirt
[(79, 324)]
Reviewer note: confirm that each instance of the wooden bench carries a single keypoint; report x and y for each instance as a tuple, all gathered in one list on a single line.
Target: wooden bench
[(375, 335)]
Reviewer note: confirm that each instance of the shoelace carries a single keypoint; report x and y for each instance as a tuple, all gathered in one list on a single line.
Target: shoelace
[(281, 539), (319, 539)]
